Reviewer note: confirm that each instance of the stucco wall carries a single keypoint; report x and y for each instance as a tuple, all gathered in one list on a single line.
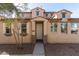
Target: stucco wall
[(39, 19), (58, 37), (41, 11), (10, 39), (52, 37), (59, 15)]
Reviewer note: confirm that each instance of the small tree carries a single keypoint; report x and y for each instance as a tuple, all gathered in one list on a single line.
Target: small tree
[(51, 19), (8, 22), (9, 7)]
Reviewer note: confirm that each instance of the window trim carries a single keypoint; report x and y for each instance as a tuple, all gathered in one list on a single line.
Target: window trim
[(64, 15), (10, 31), (65, 24), (23, 33), (53, 27), (37, 13), (76, 28)]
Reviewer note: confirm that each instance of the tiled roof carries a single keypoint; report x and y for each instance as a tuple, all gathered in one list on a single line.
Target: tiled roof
[(64, 10), (38, 8), (73, 19)]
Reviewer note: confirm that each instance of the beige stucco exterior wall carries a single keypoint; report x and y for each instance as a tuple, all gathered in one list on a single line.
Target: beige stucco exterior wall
[(41, 11), (52, 37), (58, 37), (44, 24), (28, 15), (10, 39), (59, 15)]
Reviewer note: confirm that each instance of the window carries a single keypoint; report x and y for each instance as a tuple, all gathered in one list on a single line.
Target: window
[(23, 29), (37, 9), (74, 28), (63, 15), (47, 14), (64, 27), (37, 13), (8, 31), (54, 27)]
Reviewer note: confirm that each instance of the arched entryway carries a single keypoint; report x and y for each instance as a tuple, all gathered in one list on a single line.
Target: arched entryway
[(39, 33), (39, 28)]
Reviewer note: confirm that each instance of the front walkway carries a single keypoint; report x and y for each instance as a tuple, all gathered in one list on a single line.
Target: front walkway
[(39, 49)]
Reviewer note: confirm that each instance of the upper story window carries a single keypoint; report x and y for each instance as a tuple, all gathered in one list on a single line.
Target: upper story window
[(74, 28), (63, 15), (47, 14), (37, 9), (37, 13)]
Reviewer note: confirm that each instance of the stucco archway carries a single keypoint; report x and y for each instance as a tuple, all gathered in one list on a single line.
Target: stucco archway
[(45, 26)]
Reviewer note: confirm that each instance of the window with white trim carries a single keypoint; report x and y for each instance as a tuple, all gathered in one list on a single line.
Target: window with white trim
[(23, 29), (63, 15), (7, 30), (54, 27), (64, 27), (37, 13), (74, 28)]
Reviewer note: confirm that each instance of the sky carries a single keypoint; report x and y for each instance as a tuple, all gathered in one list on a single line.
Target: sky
[(51, 7), (73, 7)]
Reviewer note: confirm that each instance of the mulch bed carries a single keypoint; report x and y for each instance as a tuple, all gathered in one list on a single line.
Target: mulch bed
[(62, 49), (12, 49)]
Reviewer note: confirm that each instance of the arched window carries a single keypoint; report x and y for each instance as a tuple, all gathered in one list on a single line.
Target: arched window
[(63, 15), (37, 13)]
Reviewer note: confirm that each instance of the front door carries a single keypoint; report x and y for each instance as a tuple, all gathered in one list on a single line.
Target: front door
[(39, 30)]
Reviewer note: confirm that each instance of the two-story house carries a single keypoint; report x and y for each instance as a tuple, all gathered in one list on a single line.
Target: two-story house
[(39, 25)]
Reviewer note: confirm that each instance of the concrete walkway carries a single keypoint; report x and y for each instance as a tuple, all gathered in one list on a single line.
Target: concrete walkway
[(39, 49)]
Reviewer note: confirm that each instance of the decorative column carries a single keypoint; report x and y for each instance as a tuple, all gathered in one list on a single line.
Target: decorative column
[(33, 28), (28, 25), (69, 28), (78, 28), (45, 27), (45, 31), (59, 28), (33, 32)]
